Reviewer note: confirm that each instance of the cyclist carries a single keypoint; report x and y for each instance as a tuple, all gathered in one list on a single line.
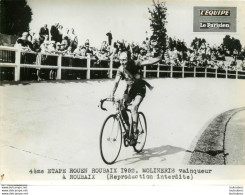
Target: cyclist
[(130, 71)]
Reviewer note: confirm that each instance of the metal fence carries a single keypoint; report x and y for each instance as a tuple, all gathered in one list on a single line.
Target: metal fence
[(19, 65)]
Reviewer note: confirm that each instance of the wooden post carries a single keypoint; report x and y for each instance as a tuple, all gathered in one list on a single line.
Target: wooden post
[(216, 73), (111, 66), (144, 75), (17, 67), (226, 72), (205, 72), (158, 69), (59, 67), (195, 70), (171, 71), (183, 72), (88, 67)]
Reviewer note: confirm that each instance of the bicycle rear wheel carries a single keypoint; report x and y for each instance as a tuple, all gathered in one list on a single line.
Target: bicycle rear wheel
[(110, 139), (142, 134)]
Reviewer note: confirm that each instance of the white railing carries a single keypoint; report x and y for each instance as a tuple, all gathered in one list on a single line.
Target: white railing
[(158, 70)]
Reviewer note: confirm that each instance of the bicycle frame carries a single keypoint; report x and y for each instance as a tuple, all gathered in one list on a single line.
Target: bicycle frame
[(118, 111), (124, 133)]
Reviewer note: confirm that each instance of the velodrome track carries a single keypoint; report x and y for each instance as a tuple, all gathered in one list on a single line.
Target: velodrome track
[(52, 124)]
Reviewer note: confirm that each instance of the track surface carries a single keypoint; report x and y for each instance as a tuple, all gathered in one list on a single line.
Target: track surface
[(234, 140), (53, 124)]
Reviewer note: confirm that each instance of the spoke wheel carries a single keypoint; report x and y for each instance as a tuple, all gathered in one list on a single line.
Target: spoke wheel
[(110, 139), (142, 134)]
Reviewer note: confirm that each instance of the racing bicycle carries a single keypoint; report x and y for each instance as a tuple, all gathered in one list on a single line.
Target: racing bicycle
[(114, 131)]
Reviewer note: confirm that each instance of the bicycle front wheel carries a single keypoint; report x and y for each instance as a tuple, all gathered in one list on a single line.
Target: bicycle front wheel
[(110, 139), (142, 133)]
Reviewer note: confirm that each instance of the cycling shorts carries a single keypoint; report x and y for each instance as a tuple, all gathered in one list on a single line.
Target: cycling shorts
[(137, 88)]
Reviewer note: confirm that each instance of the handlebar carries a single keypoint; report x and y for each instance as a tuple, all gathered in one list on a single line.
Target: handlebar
[(104, 100), (118, 101)]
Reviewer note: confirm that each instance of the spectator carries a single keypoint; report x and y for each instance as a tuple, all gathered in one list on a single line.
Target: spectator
[(30, 36), (202, 51), (83, 52), (24, 43), (44, 45), (144, 45), (58, 47), (136, 48), (54, 32), (167, 57), (127, 46), (103, 46), (43, 31), (87, 42), (73, 40), (242, 54), (64, 44), (88, 52), (51, 47), (66, 33), (174, 57), (208, 52), (235, 53), (142, 54), (109, 35), (60, 29), (36, 44), (243, 66), (80, 51), (104, 52), (134, 56), (192, 58)]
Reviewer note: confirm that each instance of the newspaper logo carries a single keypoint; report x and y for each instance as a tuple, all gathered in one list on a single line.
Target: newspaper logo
[(214, 19), (217, 25), (209, 12)]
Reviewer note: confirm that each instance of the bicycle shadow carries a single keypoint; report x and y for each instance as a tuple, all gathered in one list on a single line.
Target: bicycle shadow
[(156, 152)]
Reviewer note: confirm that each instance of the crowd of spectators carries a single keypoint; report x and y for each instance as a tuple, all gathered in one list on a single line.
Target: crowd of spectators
[(178, 54), (56, 40), (60, 40)]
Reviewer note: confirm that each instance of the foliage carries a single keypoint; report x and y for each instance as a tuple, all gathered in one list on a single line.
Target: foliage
[(178, 44), (158, 25), (197, 42), (15, 16), (231, 44)]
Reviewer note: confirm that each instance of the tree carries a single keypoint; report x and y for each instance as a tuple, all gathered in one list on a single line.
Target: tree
[(158, 26), (178, 44), (197, 42), (15, 16), (231, 44)]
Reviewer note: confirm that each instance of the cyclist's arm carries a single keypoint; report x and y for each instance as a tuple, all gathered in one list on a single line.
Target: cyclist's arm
[(116, 82), (149, 61)]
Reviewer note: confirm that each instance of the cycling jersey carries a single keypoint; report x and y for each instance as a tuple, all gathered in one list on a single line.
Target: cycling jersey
[(130, 73)]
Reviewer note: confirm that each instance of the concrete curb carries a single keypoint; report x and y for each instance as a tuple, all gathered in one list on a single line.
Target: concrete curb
[(209, 149)]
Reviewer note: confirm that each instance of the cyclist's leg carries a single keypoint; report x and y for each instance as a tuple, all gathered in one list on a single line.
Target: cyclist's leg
[(125, 116), (137, 94), (126, 99), (134, 114), (134, 109)]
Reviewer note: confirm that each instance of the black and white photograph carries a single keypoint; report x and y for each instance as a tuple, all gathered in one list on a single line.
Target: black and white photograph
[(105, 92)]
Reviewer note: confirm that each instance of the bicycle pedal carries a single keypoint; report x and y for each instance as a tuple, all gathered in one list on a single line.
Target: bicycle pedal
[(125, 136), (126, 143), (133, 142), (136, 134)]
